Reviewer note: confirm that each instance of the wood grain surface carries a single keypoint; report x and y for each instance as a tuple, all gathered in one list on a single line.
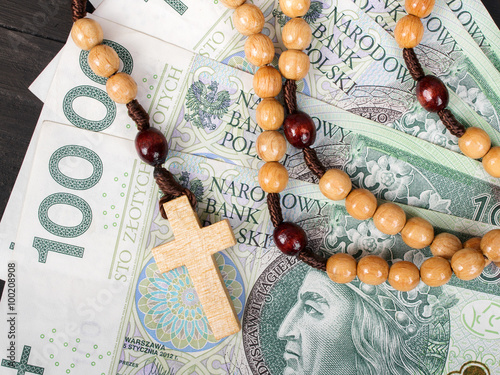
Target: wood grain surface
[(31, 33)]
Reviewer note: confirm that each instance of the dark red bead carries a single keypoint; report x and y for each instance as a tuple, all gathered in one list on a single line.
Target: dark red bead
[(300, 130), (432, 93), (152, 146), (290, 238)]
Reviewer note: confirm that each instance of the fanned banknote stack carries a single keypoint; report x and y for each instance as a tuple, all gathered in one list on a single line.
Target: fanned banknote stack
[(77, 234)]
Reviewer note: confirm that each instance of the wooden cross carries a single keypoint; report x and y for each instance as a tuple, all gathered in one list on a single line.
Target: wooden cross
[(194, 247)]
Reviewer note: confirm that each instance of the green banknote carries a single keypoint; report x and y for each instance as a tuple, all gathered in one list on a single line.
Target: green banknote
[(449, 52), (83, 258), (355, 64), (475, 18), (208, 108)]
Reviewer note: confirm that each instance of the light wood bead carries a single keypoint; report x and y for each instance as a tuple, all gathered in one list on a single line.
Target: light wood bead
[(491, 162), (294, 64), (297, 34), (121, 88), (233, 4), (467, 264), (267, 82), (475, 143), (490, 245), (389, 218), (445, 245), (372, 270), (473, 243), (341, 268), (409, 31), (248, 19), (271, 145), (419, 8), (273, 177), (259, 49), (295, 8), (270, 114), (87, 33), (404, 276), (361, 204), (435, 271), (417, 233), (103, 60), (335, 184)]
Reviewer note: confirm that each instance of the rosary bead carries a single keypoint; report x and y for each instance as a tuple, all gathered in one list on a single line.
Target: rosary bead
[(490, 245), (294, 64), (389, 218), (86, 33), (290, 238), (361, 204), (273, 177), (121, 88), (152, 146), (296, 34), (445, 245), (233, 4), (491, 162), (335, 184), (432, 93), (417, 233), (404, 276), (419, 8), (271, 145), (103, 60), (295, 8), (435, 271), (467, 264), (372, 270), (267, 82), (248, 19), (270, 114), (259, 49), (341, 268), (300, 129), (475, 143), (473, 243), (409, 31)]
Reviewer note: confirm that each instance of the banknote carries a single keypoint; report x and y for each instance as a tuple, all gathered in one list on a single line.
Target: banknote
[(355, 64), (475, 18), (91, 219), (449, 52)]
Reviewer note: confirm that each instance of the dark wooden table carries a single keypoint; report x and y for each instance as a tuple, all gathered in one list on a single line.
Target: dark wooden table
[(31, 33)]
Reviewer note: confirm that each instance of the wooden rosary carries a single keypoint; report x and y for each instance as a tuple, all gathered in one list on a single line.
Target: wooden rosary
[(194, 246), (467, 260)]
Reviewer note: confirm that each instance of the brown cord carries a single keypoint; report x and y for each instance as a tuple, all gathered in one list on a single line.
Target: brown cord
[(413, 64), (171, 189), (138, 114), (274, 206), (78, 9), (313, 260), (313, 163), (290, 95), (451, 123)]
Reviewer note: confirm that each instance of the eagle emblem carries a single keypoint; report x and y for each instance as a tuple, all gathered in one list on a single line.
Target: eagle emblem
[(205, 104)]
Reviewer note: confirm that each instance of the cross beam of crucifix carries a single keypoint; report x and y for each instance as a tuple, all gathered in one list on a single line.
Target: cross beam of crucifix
[(194, 247)]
